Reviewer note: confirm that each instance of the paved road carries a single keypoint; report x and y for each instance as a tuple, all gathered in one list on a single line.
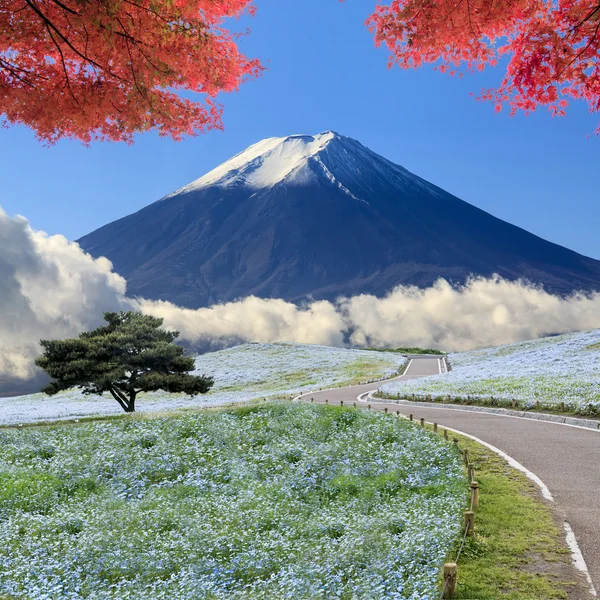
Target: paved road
[(566, 459)]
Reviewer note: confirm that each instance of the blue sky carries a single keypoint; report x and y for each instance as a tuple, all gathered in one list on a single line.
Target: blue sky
[(324, 73)]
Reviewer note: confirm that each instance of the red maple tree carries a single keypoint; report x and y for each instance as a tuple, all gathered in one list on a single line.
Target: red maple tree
[(105, 69), (554, 45)]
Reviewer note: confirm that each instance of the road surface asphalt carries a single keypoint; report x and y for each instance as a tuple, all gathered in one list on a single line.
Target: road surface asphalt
[(566, 459)]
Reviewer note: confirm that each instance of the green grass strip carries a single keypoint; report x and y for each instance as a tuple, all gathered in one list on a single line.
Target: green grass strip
[(519, 551)]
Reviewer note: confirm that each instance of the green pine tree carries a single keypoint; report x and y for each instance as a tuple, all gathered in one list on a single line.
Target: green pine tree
[(131, 354)]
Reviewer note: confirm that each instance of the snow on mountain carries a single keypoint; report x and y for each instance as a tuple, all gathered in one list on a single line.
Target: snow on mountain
[(297, 159), (264, 164)]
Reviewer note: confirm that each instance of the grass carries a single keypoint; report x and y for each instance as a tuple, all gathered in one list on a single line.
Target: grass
[(408, 350), (274, 500), (362, 371), (519, 552)]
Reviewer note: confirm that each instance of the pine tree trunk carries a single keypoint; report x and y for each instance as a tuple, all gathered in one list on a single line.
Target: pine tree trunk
[(131, 404)]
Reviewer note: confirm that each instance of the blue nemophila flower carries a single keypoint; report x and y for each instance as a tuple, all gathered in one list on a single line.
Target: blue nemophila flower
[(314, 510), (547, 371), (242, 373)]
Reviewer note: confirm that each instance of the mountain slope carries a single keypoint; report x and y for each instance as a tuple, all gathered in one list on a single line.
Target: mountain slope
[(319, 216)]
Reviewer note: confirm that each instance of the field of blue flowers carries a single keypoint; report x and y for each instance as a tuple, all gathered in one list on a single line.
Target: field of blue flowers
[(241, 373), (271, 501), (546, 373)]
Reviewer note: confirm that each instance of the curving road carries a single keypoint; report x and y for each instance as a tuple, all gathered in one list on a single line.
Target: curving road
[(565, 458)]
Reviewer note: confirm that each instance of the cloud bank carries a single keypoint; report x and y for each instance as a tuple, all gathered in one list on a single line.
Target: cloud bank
[(49, 288)]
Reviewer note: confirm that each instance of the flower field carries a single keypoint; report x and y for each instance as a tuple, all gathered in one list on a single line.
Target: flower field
[(553, 373), (241, 373), (271, 501)]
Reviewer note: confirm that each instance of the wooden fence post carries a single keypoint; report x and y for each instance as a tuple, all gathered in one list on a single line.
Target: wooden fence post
[(475, 493), (385, 410), (435, 428), (445, 434), (326, 401), (410, 417), (470, 522), (450, 578), (471, 472), (422, 422), (369, 407), (341, 403)]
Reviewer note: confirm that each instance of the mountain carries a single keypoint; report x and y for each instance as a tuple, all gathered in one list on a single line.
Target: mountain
[(319, 216)]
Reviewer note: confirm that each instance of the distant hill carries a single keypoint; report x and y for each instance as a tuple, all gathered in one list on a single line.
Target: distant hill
[(320, 216)]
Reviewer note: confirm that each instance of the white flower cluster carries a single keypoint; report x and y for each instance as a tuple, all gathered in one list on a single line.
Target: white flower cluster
[(272, 501), (541, 373), (241, 373)]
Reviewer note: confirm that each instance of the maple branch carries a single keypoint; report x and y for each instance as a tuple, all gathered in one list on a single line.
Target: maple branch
[(64, 7), (582, 51), (138, 43), (590, 15), (147, 9), (469, 14), (13, 70), (49, 23), (455, 7), (64, 66)]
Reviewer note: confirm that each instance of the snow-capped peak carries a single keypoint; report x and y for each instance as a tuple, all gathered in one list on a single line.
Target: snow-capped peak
[(265, 163)]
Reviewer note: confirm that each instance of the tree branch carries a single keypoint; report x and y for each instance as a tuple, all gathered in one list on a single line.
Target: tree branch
[(64, 66), (49, 23), (117, 397)]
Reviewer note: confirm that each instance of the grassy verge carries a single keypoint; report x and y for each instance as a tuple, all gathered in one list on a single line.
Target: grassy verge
[(367, 372), (564, 409), (519, 551), (408, 350)]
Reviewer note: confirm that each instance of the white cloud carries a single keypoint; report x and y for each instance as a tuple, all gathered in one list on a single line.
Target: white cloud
[(49, 288), (484, 312)]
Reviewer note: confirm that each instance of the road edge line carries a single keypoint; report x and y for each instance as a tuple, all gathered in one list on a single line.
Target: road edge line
[(577, 557), (481, 409)]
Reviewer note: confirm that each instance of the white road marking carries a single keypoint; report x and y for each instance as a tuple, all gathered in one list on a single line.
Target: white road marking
[(578, 559), (510, 460), (491, 414)]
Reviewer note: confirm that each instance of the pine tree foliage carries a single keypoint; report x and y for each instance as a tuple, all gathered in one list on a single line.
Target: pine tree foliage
[(129, 355)]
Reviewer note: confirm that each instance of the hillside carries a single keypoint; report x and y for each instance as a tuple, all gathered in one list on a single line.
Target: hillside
[(241, 373), (549, 371), (319, 216)]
